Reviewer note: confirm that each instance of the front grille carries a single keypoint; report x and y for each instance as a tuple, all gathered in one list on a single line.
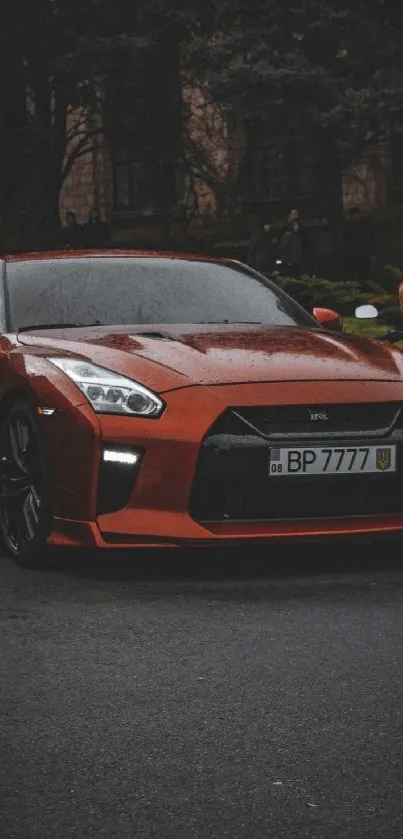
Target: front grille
[(232, 479), (320, 420)]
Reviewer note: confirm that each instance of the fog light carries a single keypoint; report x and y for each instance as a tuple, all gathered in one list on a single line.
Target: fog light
[(118, 456)]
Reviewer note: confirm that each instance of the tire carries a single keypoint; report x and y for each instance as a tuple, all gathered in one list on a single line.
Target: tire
[(25, 498)]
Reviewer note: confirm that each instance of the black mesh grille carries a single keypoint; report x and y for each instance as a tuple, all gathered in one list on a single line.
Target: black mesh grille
[(239, 497), (323, 420), (232, 481)]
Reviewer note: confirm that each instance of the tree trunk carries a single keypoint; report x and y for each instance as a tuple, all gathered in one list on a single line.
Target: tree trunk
[(169, 128)]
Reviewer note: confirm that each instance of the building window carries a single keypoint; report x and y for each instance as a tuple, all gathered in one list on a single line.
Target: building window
[(122, 186), (137, 191), (131, 192)]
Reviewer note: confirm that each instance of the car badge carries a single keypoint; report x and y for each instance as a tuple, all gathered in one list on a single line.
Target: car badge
[(319, 416)]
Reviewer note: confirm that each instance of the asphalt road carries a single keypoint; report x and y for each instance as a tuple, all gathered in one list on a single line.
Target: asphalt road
[(253, 697)]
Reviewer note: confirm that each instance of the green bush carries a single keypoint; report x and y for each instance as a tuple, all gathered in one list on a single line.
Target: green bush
[(389, 278), (344, 298), (391, 316), (313, 291)]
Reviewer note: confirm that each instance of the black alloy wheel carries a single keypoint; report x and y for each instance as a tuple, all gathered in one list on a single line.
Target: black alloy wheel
[(25, 510)]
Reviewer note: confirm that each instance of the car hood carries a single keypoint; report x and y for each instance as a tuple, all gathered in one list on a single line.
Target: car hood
[(167, 357)]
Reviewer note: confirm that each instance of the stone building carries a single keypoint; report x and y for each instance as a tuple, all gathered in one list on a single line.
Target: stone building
[(207, 182)]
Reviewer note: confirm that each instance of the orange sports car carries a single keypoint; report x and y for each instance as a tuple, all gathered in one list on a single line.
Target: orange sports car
[(167, 400)]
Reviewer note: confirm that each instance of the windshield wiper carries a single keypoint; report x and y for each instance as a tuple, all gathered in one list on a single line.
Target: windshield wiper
[(38, 326), (233, 322)]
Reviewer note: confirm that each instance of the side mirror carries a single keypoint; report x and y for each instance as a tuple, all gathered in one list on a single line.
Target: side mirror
[(401, 296), (366, 312), (329, 319)]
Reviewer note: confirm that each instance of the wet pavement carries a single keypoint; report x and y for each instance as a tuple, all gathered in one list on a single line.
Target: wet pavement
[(250, 696)]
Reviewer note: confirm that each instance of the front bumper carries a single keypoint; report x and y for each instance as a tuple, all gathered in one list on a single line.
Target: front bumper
[(157, 512), (74, 534)]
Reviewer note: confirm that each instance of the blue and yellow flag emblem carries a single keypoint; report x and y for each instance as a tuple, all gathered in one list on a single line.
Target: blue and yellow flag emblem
[(383, 459)]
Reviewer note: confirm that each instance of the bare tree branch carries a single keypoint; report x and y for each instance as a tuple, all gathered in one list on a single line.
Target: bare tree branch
[(82, 148)]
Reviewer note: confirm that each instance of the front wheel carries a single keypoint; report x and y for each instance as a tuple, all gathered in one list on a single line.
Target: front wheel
[(25, 508)]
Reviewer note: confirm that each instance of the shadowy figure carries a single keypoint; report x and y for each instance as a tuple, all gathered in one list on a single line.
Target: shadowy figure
[(263, 248), (71, 233), (292, 250), (96, 234), (293, 215)]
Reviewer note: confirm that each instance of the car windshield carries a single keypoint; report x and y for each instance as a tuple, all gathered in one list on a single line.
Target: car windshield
[(142, 290)]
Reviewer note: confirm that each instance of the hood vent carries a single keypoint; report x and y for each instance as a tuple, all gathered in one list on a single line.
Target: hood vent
[(155, 336)]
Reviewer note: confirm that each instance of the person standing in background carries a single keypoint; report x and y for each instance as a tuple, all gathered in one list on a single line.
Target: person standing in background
[(263, 248), (96, 234), (293, 215), (71, 233), (292, 250)]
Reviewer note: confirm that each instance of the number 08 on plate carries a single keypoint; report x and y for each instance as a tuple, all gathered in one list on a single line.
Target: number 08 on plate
[(348, 460)]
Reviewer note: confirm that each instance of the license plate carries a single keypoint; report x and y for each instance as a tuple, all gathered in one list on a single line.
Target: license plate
[(343, 460)]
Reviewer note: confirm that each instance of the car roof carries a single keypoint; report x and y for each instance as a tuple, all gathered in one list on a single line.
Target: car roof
[(82, 254)]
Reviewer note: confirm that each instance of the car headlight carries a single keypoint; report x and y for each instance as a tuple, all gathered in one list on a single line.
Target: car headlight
[(108, 392)]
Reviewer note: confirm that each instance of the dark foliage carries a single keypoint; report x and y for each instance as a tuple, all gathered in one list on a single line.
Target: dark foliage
[(314, 83)]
